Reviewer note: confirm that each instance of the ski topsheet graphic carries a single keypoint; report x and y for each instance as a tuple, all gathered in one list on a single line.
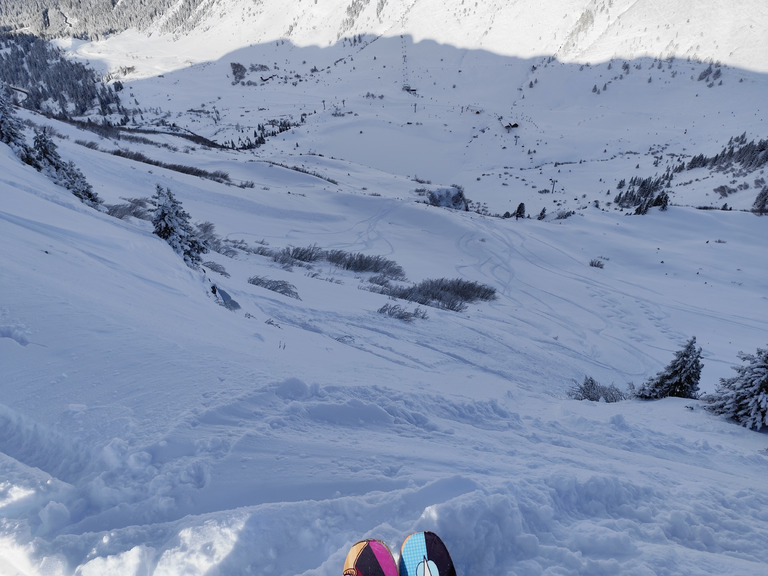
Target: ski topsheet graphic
[(370, 558), (424, 554)]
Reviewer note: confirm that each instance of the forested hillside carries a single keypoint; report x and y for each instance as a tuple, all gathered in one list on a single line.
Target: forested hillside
[(53, 18), (45, 81)]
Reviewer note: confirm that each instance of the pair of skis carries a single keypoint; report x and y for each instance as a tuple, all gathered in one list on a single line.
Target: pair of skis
[(422, 554)]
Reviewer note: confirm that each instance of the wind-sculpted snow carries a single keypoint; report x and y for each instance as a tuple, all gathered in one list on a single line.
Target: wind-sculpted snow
[(39, 446), (13, 330)]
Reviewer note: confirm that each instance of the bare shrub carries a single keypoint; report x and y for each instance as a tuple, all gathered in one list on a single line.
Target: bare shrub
[(357, 262), (400, 313), (264, 250), (307, 253), (450, 294), (279, 286), (591, 390), (379, 280), (216, 267), (133, 207), (216, 176), (452, 197)]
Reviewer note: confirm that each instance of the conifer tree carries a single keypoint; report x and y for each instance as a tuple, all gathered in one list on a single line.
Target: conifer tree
[(172, 224), (11, 130), (679, 379), (73, 180), (45, 157), (760, 205), (744, 397)]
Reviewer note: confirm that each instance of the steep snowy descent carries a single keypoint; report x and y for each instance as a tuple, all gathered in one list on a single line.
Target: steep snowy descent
[(147, 428)]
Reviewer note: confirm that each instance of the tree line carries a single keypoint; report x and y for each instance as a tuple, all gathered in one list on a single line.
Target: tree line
[(748, 156)]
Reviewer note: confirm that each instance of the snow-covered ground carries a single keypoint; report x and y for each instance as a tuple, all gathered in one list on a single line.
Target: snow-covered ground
[(146, 429)]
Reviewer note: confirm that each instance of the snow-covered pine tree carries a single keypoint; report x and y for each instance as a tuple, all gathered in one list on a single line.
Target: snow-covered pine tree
[(760, 205), (172, 224), (45, 157), (679, 379), (11, 129), (744, 397), (73, 180)]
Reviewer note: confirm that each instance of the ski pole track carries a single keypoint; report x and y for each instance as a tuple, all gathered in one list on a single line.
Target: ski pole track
[(371, 238)]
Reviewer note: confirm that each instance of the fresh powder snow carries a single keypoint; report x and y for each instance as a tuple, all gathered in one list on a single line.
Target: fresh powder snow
[(150, 424)]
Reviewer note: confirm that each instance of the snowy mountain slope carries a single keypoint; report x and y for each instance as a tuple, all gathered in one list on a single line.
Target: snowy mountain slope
[(587, 127), (148, 429), (572, 30), (145, 428)]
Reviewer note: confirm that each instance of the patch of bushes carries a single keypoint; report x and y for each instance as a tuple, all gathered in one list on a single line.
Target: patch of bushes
[(400, 313), (449, 294), (304, 171), (133, 207), (279, 286), (354, 261), (357, 262), (306, 254), (216, 176), (292, 256), (206, 234), (216, 267), (593, 391), (452, 197)]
